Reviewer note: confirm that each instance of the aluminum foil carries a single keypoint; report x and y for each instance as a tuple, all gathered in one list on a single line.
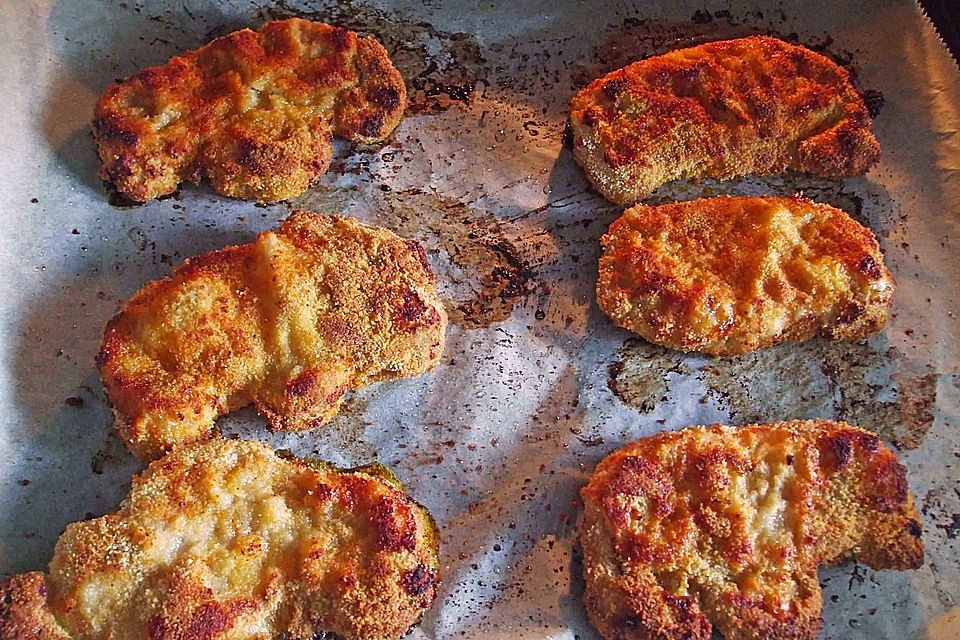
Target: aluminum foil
[(536, 385)]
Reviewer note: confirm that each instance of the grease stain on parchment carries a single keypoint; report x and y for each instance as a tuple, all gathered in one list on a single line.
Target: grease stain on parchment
[(485, 266), (440, 68), (636, 38), (490, 270), (871, 387), (640, 374), (865, 384)]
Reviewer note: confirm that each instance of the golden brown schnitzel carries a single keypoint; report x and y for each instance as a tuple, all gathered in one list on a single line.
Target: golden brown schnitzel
[(718, 527), (754, 105), (290, 322), (730, 275), (225, 540), (253, 112)]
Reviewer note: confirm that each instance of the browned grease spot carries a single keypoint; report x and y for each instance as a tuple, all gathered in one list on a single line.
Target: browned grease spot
[(485, 266), (871, 387), (439, 68), (637, 38), (489, 268), (639, 376)]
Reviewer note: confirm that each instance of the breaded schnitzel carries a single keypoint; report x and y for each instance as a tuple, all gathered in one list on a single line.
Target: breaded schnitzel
[(253, 112), (713, 526), (754, 105), (226, 540), (730, 275), (290, 322)]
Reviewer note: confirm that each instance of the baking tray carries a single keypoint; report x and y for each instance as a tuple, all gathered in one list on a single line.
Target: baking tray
[(536, 385)]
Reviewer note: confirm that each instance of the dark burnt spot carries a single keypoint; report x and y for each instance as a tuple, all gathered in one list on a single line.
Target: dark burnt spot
[(110, 129), (74, 401), (591, 116), (848, 137), (302, 384), (630, 624), (102, 356), (594, 441), (340, 39), (322, 492), (417, 250), (372, 125), (611, 159), (914, 529), (801, 59), (418, 581), (869, 442), (835, 452), (507, 282), (385, 97), (886, 484), (414, 313), (394, 525), (869, 267), (156, 627), (120, 169), (248, 154), (842, 451), (685, 82), (614, 88), (874, 100), (680, 603), (851, 313)]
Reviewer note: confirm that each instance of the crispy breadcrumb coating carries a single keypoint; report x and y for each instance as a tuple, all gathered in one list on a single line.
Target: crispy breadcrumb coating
[(754, 105), (226, 540), (718, 527), (253, 112), (290, 322), (730, 275)]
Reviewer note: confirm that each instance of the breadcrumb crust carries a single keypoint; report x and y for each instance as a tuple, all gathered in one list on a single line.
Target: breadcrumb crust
[(725, 527)]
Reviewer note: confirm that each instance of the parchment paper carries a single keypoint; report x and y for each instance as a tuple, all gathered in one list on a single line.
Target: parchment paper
[(536, 385)]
